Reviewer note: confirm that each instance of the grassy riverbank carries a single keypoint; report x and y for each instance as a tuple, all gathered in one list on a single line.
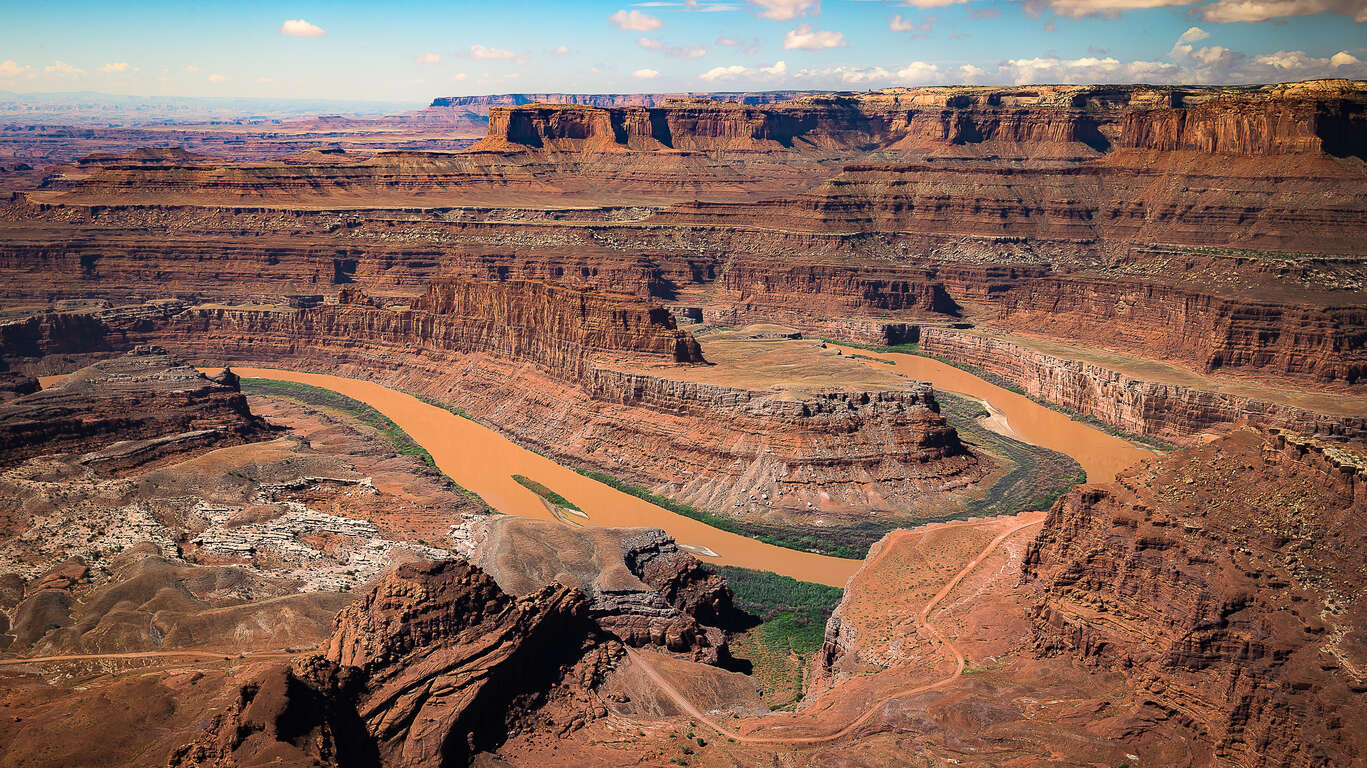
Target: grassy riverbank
[(354, 410)]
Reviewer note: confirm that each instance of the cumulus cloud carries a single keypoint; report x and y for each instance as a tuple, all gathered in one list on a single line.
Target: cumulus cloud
[(217, 78), (485, 52), (918, 72), (191, 68), (932, 3), (63, 69), (804, 38), (730, 42), (738, 72), (300, 28), (1193, 35), (785, 10), (1344, 59), (636, 21), (562, 50), (645, 74), (428, 58), (115, 67), (11, 69), (459, 76)]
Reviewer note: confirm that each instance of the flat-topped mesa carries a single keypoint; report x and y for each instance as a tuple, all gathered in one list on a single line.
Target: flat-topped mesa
[(558, 326), (1225, 583), (1064, 121), (127, 411)]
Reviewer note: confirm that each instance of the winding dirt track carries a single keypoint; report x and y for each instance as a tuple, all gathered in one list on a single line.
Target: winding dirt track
[(215, 655), (922, 621)]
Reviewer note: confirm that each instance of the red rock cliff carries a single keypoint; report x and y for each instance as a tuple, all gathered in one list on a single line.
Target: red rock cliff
[(1225, 583)]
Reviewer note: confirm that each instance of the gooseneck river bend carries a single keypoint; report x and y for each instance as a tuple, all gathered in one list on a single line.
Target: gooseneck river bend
[(484, 461)]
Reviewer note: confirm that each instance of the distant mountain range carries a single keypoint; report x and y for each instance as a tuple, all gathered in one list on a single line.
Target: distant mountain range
[(106, 109)]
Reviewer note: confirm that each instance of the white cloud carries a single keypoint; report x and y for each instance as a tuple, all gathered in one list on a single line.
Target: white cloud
[(300, 28), (11, 69), (899, 24), (562, 50), (636, 21), (970, 72), (115, 66), (645, 74), (805, 38), (730, 42), (217, 78), (264, 80), (649, 43), (738, 72), (1193, 35), (932, 3), (1220, 11), (1343, 59), (191, 68), (64, 69), (785, 10), (428, 58), (1226, 11), (485, 52), (918, 72)]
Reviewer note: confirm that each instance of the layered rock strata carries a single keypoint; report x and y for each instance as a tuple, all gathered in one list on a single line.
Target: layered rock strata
[(1224, 583), (434, 665), (126, 401), (1171, 412)]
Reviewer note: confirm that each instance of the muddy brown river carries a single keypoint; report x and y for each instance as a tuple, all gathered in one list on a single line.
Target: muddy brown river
[(484, 461), (1101, 454)]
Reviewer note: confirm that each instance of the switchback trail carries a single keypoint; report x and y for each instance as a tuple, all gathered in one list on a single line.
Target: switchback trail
[(922, 621)]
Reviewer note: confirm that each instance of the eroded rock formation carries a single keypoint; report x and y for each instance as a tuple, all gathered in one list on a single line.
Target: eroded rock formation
[(434, 664), (1223, 582)]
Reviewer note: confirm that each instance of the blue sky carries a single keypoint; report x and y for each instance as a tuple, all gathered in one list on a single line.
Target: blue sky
[(418, 50)]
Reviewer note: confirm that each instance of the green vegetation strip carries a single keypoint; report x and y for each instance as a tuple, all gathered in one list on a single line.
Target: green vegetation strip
[(545, 493), (318, 397), (852, 542), (1038, 476), (792, 627)]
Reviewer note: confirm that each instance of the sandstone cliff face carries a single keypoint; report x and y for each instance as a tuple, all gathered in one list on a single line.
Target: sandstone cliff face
[(556, 326), (1169, 411), (1049, 120), (1224, 583), (435, 664), (708, 445), (137, 407), (1324, 343)]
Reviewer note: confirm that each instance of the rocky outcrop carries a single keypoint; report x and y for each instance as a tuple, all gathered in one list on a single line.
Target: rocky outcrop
[(1172, 412), (433, 665), (642, 588), (1223, 583), (146, 403)]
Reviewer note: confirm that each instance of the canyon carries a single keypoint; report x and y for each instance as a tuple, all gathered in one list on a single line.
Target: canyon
[(975, 425)]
